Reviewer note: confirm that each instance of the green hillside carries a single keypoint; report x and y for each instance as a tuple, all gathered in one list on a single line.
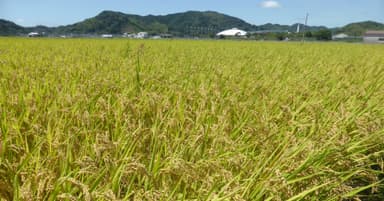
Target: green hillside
[(190, 23), (179, 23), (8, 28), (358, 28)]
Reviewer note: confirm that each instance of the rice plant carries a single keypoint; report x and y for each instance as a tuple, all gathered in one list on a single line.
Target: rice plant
[(88, 119)]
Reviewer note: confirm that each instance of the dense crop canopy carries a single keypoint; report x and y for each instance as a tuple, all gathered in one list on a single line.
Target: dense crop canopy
[(190, 120)]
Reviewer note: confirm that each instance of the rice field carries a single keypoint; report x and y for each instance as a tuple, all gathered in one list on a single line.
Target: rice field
[(92, 119)]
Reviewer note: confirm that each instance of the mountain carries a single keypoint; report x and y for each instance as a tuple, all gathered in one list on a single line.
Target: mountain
[(358, 28), (105, 22), (190, 23), (202, 21), (8, 28), (178, 23)]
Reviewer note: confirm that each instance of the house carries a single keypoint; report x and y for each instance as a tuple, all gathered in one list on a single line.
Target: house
[(142, 35), (374, 37), (156, 37), (165, 35), (34, 34), (129, 35), (234, 32), (340, 36), (107, 36)]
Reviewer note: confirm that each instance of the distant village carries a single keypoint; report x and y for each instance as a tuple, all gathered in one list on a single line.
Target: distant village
[(235, 33), (139, 35)]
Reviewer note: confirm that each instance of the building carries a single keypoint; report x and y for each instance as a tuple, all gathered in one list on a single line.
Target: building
[(340, 36), (107, 36), (129, 35), (165, 35), (234, 32), (374, 37), (142, 35), (34, 34), (156, 37)]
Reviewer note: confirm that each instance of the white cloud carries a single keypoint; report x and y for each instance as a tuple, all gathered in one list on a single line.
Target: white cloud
[(20, 20), (270, 4)]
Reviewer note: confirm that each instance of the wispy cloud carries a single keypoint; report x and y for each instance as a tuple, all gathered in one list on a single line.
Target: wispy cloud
[(20, 20), (270, 4)]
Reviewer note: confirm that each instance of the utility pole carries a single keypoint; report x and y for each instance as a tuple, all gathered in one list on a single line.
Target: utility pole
[(306, 21)]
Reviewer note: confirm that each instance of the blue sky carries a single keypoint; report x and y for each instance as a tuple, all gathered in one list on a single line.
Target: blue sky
[(330, 13)]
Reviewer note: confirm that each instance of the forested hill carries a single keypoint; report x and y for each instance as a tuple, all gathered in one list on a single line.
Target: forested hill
[(9, 28), (117, 23), (179, 24), (358, 28)]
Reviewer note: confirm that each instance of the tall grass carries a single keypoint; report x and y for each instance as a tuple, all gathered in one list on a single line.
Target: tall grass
[(214, 120)]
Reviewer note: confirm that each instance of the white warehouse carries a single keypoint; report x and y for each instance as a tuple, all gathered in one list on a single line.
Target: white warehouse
[(232, 32)]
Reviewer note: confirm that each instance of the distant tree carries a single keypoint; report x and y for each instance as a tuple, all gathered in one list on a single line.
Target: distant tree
[(308, 34), (280, 36), (324, 34), (158, 28), (211, 35)]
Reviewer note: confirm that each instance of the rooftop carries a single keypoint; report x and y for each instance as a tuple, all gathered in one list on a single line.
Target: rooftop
[(373, 33)]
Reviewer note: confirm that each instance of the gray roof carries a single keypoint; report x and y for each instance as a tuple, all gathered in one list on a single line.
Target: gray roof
[(374, 34)]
